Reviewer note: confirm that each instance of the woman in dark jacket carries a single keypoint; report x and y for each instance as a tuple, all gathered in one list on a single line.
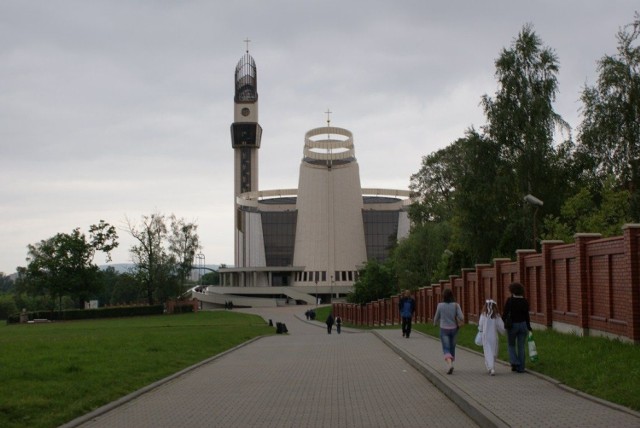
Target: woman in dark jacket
[(517, 308)]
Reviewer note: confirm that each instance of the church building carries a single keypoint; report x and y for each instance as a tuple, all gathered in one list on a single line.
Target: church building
[(304, 243)]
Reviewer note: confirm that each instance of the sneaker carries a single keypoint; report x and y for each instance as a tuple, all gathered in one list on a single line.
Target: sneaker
[(450, 370), (492, 372)]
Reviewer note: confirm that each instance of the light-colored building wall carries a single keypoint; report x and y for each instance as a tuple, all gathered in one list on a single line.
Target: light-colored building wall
[(330, 229), (255, 250)]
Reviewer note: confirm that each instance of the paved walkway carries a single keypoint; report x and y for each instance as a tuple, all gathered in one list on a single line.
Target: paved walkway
[(308, 378)]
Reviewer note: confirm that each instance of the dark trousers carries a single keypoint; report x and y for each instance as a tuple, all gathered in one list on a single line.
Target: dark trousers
[(406, 326), (329, 327)]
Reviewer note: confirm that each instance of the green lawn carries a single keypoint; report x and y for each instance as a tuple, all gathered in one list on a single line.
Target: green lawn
[(52, 373), (608, 369)]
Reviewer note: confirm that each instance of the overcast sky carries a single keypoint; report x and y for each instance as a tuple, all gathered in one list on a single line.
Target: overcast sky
[(116, 109)]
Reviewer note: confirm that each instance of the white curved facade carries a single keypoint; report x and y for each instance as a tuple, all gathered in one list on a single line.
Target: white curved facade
[(315, 238), (330, 231)]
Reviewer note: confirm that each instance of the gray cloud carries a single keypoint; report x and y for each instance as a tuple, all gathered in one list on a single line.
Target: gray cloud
[(113, 109)]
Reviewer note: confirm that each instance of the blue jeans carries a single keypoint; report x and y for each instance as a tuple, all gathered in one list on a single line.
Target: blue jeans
[(517, 337), (448, 340)]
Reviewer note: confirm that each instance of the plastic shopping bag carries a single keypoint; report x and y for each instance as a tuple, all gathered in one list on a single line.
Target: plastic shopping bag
[(533, 352), (478, 339)]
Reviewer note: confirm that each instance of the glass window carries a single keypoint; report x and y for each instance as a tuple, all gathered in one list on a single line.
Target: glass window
[(381, 230), (279, 232)]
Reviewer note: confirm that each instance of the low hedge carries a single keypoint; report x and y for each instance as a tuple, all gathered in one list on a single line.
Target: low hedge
[(183, 309), (82, 314)]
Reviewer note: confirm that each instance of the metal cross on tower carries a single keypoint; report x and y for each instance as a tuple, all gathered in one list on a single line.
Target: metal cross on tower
[(328, 112)]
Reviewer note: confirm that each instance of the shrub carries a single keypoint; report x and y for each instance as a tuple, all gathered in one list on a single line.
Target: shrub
[(7, 306), (80, 314)]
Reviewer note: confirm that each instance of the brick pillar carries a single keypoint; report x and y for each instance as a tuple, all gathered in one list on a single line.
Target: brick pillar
[(581, 240), (423, 305), (479, 297), (497, 265), (631, 234), (460, 293), (520, 256), (548, 280), (466, 289)]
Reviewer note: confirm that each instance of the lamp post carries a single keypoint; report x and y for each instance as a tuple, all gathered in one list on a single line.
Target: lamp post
[(448, 255), (201, 263), (532, 200)]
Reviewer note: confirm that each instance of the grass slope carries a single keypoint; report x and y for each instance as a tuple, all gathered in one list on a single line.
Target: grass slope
[(52, 373)]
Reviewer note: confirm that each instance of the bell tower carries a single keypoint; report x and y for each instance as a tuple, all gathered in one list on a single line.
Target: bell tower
[(245, 140)]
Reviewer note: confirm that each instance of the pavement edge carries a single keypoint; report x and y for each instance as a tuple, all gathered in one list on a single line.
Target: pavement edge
[(123, 400), (470, 407)]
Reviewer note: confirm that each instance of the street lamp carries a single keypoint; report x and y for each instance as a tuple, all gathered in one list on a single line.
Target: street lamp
[(201, 263), (448, 255), (532, 200)]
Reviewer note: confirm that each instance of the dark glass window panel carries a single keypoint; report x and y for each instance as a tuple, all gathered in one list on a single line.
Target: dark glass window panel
[(381, 230), (279, 232)]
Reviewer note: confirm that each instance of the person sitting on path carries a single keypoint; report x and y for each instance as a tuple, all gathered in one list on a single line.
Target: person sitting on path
[(448, 314)]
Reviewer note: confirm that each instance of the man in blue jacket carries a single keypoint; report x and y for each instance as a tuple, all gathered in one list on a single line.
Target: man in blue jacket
[(407, 307)]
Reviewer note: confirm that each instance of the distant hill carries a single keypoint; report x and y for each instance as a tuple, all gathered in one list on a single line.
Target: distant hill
[(119, 267), (126, 267)]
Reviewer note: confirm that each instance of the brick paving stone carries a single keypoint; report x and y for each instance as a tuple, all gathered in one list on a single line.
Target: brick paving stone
[(308, 378), (515, 399)]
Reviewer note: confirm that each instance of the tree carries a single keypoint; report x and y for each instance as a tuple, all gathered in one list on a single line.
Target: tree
[(63, 264), (433, 186), (375, 281), (163, 256), (522, 121), (483, 193), (521, 118), (610, 131), (416, 258), (149, 256), (126, 290), (6, 283), (183, 244), (210, 278), (603, 213)]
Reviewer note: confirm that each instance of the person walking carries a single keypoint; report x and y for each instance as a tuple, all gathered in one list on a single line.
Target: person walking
[(489, 325), (518, 325), (338, 324), (407, 307), (448, 314), (329, 323)]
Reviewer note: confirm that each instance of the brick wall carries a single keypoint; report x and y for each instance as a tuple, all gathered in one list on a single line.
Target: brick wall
[(590, 287)]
